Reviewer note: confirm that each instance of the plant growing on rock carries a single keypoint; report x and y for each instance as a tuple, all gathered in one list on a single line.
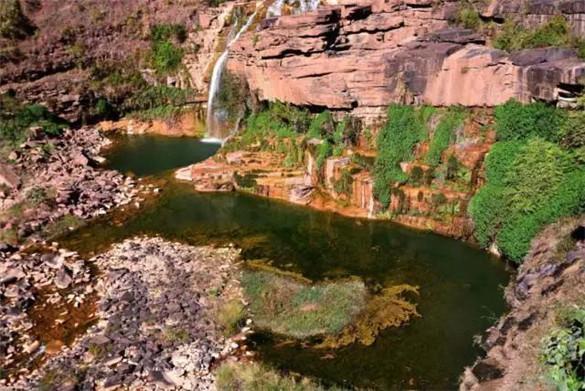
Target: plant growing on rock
[(13, 23), (563, 352), (396, 141), (529, 185), (444, 135), (516, 121)]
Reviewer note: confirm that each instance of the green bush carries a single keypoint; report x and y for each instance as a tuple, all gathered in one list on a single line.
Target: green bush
[(563, 352), (536, 174), (443, 136), (165, 32), (529, 186), (556, 32), (499, 161), (16, 119), (166, 57), (468, 17), (572, 134), (156, 96), (321, 125), (487, 211), (515, 121), (396, 141)]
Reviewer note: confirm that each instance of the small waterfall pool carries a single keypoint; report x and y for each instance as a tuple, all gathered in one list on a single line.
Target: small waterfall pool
[(460, 286)]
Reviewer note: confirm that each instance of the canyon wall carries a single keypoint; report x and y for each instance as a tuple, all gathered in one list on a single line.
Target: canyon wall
[(360, 57)]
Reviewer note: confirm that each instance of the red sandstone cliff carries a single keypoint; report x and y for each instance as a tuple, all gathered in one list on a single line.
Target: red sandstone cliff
[(364, 55)]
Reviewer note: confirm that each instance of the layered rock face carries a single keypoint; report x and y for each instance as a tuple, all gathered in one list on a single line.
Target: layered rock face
[(361, 57)]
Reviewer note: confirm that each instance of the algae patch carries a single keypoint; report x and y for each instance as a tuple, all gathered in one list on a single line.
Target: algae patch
[(332, 313)]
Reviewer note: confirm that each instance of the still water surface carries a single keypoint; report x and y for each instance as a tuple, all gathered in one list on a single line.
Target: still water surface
[(460, 286)]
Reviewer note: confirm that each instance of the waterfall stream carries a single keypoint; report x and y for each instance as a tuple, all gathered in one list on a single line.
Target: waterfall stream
[(213, 135), (213, 130)]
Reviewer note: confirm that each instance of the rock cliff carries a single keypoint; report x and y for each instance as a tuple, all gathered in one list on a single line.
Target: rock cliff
[(360, 57)]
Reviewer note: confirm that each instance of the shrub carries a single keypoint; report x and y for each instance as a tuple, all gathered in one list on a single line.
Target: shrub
[(572, 133), (231, 96), (416, 176), (499, 161), (515, 121), (321, 125), (13, 23), (396, 141), (16, 119), (514, 36), (443, 135), (532, 185), (252, 376), (468, 16), (165, 32), (563, 352), (486, 210), (229, 315), (344, 184), (156, 96), (166, 57)]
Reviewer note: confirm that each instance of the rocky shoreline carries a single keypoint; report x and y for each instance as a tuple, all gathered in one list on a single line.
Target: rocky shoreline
[(48, 179), (548, 282), (152, 327)]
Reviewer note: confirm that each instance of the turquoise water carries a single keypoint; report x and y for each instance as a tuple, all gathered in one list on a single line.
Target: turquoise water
[(460, 286)]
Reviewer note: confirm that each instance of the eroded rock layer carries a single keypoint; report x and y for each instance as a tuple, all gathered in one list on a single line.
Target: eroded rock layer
[(363, 56)]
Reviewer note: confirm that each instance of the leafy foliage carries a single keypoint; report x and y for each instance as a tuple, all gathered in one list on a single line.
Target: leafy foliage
[(563, 352), (530, 184), (468, 17), (515, 121), (165, 56), (396, 141), (16, 119), (443, 135), (556, 32)]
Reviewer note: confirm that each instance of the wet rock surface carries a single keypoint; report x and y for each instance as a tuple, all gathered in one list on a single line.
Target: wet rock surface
[(153, 326)]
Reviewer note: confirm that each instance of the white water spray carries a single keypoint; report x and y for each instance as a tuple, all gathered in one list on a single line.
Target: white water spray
[(216, 80)]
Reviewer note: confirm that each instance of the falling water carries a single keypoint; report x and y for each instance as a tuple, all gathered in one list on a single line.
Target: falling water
[(274, 10), (212, 137), (303, 6)]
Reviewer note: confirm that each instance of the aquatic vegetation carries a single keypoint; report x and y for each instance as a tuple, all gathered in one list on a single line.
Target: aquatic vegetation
[(387, 309), (253, 376), (290, 306), (339, 312)]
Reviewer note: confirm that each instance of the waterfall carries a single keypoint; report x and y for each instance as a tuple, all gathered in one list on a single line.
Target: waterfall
[(212, 137), (274, 10)]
